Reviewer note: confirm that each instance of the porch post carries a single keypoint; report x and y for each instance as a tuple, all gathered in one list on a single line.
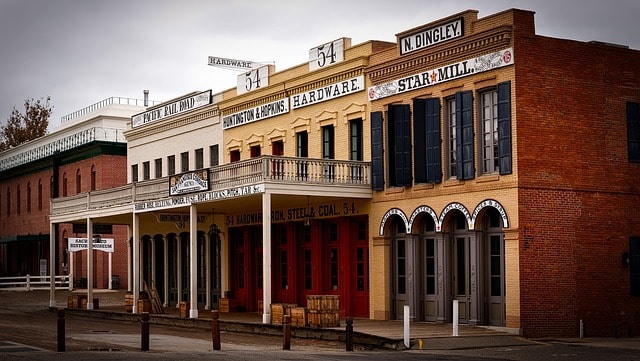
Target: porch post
[(129, 259), (179, 268), (111, 267), (89, 264), (166, 272), (193, 261), (52, 265), (207, 268), (266, 257), (442, 275), (136, 261)]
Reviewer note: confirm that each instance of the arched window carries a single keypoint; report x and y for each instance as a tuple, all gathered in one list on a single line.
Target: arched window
[(39, 194), (64, 184), (78, 181), (18, 199), (93, 177), (28, 197)]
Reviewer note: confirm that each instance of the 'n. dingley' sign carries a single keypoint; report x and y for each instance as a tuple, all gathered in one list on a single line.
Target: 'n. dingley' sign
[(173, 108), (191, 182), (431, 36)]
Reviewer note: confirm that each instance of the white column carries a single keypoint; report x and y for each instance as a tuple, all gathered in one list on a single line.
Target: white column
[(179, 268), (193, 261), (166, 272), (111, 267), (72, 261), (266, 257), (136, 261), (89, 264), (52, 265)]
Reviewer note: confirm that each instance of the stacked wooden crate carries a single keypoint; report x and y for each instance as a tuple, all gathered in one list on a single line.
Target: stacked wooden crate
[(323, 310), (279, 310)]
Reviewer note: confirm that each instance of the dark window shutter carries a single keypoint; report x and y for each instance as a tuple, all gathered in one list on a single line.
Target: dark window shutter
[(464, 129), (434, 163), (633, 131), (377, 164), (420, 141), (401, 118), (504, 127)]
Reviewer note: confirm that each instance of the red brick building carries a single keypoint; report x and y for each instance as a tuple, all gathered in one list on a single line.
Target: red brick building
[(86, 153), (506, 175)]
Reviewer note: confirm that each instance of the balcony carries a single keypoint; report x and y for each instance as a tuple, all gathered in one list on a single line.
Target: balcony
[(321, 174)]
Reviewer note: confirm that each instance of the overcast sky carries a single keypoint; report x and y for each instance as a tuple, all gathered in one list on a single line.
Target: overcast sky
[(79, 52)]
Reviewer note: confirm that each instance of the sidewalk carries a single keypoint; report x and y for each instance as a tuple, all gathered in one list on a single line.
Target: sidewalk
[(366, 333)]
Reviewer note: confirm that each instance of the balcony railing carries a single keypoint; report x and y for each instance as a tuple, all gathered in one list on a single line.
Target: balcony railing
[(265, 169), (106, 102)]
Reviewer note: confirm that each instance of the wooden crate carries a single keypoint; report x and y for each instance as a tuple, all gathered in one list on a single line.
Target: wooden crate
[(75, 301), (323, 302), (184, 309), (226, 305), (144, 305), (279, 310), (317, 319), (83, 303), (299, 317), (128, 302)]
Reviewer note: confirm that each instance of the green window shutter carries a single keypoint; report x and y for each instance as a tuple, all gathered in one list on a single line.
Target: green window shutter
[(504, 127), (633, 131), (419, 141), (434, 159), (464, 130), (377, 152)]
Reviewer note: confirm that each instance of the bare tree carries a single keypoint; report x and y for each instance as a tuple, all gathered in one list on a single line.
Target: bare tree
[(21, 128)]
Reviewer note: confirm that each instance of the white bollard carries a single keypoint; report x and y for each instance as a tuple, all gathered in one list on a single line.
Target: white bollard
[(407, 342), (455, 318)]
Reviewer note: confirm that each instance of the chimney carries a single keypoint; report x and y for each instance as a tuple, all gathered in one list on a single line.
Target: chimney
[(146, 98)]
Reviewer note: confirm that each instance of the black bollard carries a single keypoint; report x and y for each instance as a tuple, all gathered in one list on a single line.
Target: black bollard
[(215, 330), (349, 336), (144, 330), (286, 332), (61, 335)]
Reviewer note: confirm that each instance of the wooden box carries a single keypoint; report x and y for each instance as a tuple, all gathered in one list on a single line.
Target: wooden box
[(278, 310), (83, 303), (226, 305), (144, 305), (299, 317), (128, 302), (184, 309), (75, 301)]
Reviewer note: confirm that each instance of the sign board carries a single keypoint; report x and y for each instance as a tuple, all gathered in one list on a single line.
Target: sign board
[(327, 54), (191, 182), (232, 63), (99, 244), (172, 108), (432, 36), (264, 111), (252, 80)]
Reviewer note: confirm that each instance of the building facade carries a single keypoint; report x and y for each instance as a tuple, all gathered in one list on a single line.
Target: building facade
[(492, 149), (84, 154)]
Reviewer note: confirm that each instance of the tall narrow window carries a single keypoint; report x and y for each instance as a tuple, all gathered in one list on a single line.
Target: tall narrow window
[(213, 155), (18, 199), (634, 265), (355, 148), (377, 152), (254, 151), (464, 129), (284, 267), (93, 178), (308, 270), (28, 197), (171, 165), (360, 269), (302, 151), (199, 153), (333, 267), (430, 265), (234, 155), (78, 181), (158, 165), (39, 194), (452, 143), (8, 201), (184, 161), (134, 173), (489, 125), (64, 184), (328, 144), (426, 140), (146, 170), (633, 131)]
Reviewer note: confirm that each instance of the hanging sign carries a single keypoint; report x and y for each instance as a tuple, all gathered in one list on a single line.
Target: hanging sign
[(99, 244), (232, 63)]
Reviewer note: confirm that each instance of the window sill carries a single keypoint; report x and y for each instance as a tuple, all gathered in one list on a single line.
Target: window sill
[(452, 183), (488, 178), (423, 186), (394, 190)]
